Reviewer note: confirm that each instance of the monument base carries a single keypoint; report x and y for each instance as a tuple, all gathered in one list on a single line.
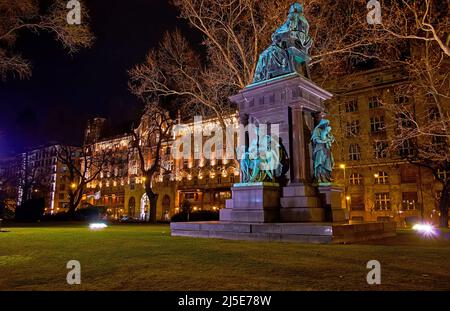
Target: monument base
[(301, 203), (286, 232), (253, 202)]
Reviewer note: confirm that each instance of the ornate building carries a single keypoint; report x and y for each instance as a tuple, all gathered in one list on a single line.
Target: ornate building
[(379, 183)]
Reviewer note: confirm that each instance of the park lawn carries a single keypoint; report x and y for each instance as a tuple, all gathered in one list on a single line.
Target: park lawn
[(145, 257)]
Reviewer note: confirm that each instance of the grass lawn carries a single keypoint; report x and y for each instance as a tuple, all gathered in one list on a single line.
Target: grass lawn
[(144, 257)]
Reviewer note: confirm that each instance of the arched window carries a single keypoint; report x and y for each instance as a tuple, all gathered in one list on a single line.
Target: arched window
[(381, 178), (132, 207), (354, 152), (355, 179)]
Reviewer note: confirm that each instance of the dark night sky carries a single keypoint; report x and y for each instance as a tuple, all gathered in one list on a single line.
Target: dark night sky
[(64, 91)]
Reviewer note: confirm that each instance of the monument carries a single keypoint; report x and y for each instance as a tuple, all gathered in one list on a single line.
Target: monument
[(286, 191)]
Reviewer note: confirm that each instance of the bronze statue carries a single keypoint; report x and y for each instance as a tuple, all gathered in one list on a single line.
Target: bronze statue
[(288, 52)]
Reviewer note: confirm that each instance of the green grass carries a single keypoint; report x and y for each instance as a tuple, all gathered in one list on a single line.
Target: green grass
[(140, 257)]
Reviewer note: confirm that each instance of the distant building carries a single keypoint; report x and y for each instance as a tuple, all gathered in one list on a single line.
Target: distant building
[(40, 174)]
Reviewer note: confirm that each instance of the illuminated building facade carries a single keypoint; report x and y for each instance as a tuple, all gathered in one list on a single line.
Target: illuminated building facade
[(41, 174), (379, 183)]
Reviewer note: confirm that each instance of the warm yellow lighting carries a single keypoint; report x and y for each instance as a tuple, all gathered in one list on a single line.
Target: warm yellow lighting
[(73, 186), (347, 198), (144, 179), (376, 175), (195, 208), (342, 166)]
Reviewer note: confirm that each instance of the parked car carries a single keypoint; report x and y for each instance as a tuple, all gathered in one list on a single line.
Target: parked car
[(128, 219)]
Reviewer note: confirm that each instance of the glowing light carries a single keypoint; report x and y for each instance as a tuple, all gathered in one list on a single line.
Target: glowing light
[(96, 226), (426, 230), (347, 198), (342, 166), (376, 175), (73, 186)]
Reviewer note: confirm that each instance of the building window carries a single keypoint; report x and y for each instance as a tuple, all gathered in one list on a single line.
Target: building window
[(354, 152), (382, 201), (381, 178), (61, 196), (401, 100), (409, 201), (352, 128), (438, 142), (377, 124), (219, 179), (380, 149), (355, 179), (374, 102), (351, 106), (406, 148), (405, 120), (357, 203), (442, 175)]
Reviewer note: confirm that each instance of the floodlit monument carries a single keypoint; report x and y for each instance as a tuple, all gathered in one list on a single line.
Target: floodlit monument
[(286, 192)]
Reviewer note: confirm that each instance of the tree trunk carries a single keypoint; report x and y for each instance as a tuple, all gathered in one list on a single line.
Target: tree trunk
[(152, 200), (72, 207), (443, 205)]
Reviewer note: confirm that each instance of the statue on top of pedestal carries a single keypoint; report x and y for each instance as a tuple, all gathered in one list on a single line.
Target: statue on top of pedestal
[(323, 160), (288, 52)]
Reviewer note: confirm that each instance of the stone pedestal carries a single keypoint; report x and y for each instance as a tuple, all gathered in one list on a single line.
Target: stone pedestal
[(332, 197), (253, 202), (301, 203)]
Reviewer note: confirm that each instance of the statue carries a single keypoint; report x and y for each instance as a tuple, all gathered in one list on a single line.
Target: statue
[(263, 161), (322, 138), (289, 49)]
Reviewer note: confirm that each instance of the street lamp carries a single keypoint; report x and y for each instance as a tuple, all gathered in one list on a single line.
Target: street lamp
[(73, 186), (347, 198)]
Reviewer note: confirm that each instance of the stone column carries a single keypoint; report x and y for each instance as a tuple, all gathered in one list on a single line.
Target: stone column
[(298, 172), (243, 120)]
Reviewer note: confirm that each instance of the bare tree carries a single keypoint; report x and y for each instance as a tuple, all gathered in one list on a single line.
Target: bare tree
[(148, 139), (423, 21), (83, 166), (17, 16), (420, 117), (235, 32)]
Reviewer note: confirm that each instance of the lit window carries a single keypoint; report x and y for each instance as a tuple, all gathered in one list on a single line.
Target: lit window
[(381, 178), (442, 174), (382, 201), (409, 201), (355, 179)]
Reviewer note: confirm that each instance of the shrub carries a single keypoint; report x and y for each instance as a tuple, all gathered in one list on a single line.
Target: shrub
[(196, 216), (31, 210)]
